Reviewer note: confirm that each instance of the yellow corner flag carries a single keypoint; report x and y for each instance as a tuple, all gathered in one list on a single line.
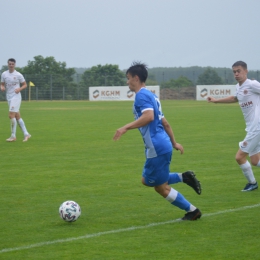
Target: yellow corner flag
[(31, 84)]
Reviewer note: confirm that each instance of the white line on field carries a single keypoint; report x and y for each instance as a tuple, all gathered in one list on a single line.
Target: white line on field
[(117, 231)]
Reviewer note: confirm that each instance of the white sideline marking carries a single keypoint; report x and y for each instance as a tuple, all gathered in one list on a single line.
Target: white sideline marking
[(117, 231)]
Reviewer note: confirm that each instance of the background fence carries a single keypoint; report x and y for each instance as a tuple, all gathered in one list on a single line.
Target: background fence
[(51, 87)]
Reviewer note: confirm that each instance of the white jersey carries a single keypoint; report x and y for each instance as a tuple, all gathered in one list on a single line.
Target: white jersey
[(12, 81), (248, 96)]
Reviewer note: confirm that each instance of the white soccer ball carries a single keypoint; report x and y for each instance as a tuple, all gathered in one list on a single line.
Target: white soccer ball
[(69, 211)]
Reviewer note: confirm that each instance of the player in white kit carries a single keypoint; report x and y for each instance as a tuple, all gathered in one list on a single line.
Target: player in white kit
[(248, 96), (13, 83)]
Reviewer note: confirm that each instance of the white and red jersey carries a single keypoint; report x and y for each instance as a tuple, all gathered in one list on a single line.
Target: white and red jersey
[(12, 81), (248, 96)]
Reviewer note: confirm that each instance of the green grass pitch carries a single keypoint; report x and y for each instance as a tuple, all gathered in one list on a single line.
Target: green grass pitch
[(71, 156)]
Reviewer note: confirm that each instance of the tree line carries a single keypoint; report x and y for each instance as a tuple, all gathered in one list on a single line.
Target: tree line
[(47, 73)]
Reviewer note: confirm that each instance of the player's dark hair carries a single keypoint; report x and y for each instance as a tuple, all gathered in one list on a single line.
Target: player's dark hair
[(12, 60), (138, 69), (240, 63)]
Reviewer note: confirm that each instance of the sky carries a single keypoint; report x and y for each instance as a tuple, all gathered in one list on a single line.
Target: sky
[(160, 33)]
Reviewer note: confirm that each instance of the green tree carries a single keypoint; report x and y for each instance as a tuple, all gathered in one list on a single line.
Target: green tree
[(209, 77), (179, 82), (4, 68), (48, 65), (107, 75), (47, 73), (151, 80)]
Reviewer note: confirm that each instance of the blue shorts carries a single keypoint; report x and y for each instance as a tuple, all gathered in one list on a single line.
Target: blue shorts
[(156, 170)]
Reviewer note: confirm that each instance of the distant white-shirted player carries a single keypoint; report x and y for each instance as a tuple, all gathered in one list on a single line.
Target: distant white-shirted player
[(248, 96), (13, 83)]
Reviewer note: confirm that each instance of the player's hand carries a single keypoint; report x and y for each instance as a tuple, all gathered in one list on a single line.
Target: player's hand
[(211, 99), (119, 133), (179, 147), (2, 88), (17, 90)]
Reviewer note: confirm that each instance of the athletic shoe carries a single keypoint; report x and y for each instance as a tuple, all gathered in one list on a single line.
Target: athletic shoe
[(11, 139), (26, 138), (194, 215), (250, 187), (190, 179)]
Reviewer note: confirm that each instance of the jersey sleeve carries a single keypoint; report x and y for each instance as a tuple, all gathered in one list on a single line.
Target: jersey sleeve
[(2, 77), (255, 86), (144, 102), (21, 78), (236, 91)]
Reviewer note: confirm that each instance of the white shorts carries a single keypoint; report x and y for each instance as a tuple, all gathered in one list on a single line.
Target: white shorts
[(14, 104), (251, 143)]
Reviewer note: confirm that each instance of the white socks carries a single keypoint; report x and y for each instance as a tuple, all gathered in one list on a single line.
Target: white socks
[(13, 127), (22, 125), (172, 195), (247, 171)]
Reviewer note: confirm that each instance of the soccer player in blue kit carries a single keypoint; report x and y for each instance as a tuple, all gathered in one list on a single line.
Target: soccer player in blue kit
[(159, 142)]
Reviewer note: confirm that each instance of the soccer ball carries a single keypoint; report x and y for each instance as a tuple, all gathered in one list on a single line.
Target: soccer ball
[(69, 211)]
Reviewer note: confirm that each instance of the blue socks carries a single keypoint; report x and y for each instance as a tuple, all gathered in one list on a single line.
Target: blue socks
[(176, 199), (181, 203), (174, 178)]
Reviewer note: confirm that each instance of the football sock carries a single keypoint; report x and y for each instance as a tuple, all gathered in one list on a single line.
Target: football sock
[(176, 199), (174, 178), (192, 208), (247, 171), (22, 126), (13, 127)]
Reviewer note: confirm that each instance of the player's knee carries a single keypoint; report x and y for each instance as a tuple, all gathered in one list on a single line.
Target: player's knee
[(143, 182), (237, 158), (254, 162), (240, 159), (162, 190), (11, 116)]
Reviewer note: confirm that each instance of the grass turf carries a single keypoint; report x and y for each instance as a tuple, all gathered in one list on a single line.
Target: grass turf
[(71, 156)]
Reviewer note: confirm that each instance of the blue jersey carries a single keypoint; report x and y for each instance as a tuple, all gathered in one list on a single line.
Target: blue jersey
[(156, 140)]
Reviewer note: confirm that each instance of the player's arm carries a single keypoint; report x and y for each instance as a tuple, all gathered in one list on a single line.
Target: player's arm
[(230, 99), (255, 86), (146, 117), (168, 130), (2, 86), (23, 86)]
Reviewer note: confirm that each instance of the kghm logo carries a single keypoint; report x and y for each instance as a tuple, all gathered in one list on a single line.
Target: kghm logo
[(246, 104), (203, 92), (109, 93), (95, 93), (130, 93), (216, 92)]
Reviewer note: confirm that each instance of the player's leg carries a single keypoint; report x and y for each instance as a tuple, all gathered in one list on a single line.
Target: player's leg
[(255, 159), (178, 200), (255, 153), (174, 177), (241, 158), (187, 177), (156, 174), (23, 127), (12, 111), (249, 146), (12, 138)]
